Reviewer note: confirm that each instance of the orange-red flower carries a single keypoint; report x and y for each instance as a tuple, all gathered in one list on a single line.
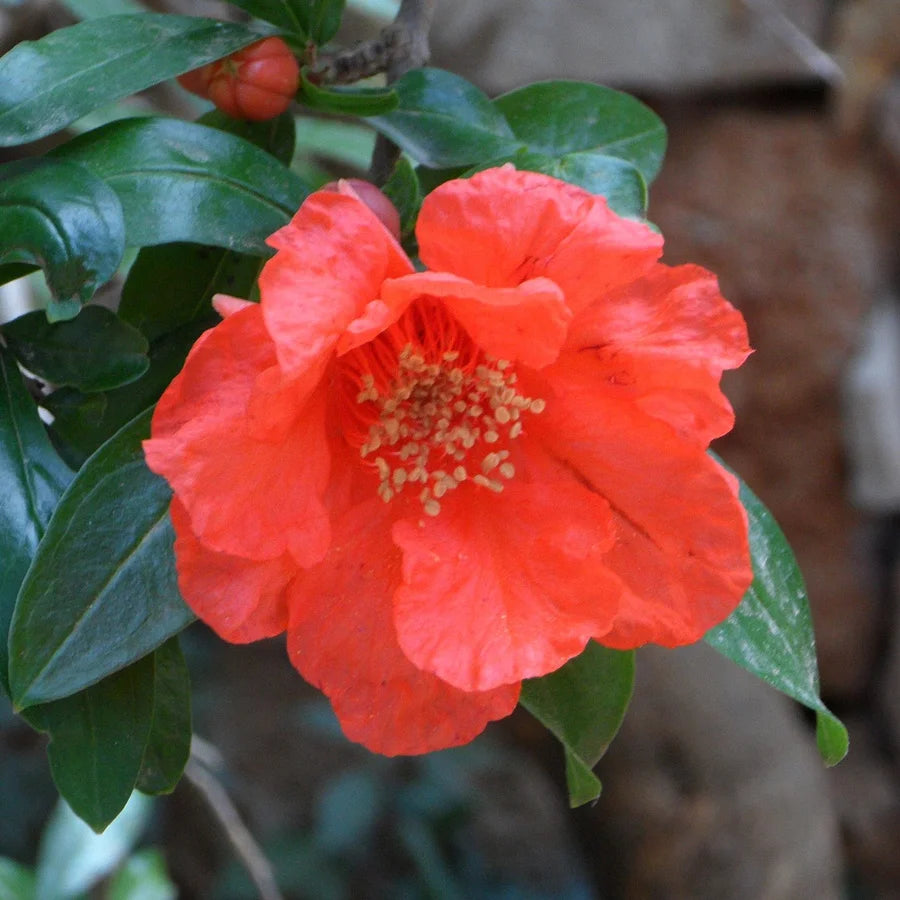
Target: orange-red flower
[(443, 482)]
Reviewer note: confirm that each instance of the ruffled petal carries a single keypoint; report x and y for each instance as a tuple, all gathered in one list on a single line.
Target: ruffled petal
[(681, 550), (251, 487), (527, 323), (664, 341), (332, 259), (500, 587), (241, 600), (502, 227), (342, 640)]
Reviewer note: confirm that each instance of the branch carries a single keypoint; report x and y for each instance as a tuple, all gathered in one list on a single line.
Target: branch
[(242, 841)]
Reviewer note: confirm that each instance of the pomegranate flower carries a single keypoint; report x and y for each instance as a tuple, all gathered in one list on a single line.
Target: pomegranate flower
[(440, 483)]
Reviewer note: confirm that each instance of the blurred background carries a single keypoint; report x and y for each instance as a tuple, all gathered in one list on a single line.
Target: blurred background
[(783, 177)]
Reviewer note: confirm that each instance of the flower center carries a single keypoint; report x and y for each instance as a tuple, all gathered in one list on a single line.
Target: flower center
[(429, 410)]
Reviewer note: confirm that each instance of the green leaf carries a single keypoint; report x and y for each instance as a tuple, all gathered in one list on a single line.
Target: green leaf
[(354, 101), (583, 704), (95, 351), (770, 634), (405, 192), (173, 285), (443, 120), (169, 743), (82, 422), (556, 118), (618, 181), (289, 15), (102, 590), (179, 181), (16, 881), (63, 218), (324, 20), (143, 877), (72, 858), (276, 136), (32, 479), (47, 84), (97, 741)]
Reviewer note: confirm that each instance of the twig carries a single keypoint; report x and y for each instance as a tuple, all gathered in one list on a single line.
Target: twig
[(798, 41), (242, 841)]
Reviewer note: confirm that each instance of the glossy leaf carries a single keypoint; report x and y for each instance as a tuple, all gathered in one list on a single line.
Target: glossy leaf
[(82, 422), (442, 120), (324, 19), (288, 15), (47, 84), (770, 634), (143, 876), (583, 704), (97, 741), (556, 118), (349, 101), (95, 351), (405, 192), (32, 479), (72, 858), (102, 590), (277, 136), (66, 220), (169, 742), (16, 880), (173, 285), (179, 181)]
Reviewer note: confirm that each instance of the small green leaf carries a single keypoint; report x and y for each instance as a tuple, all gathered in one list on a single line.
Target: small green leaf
[(290, 16), (47, 84), (405, 192), (143, 876), (16, 881), (324, 19), (169, 743), (72, 858), (32, 479), (102, 590), (82, 422), (770, 634), (443, 120), (173, 285), (63, 218), (97, 741), (556, 118), (277, 136), (179, 181), (583, 704), (95, 351), (353, 101)]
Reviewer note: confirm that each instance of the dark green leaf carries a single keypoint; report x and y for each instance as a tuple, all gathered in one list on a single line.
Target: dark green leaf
[(405, 192), (276, 136), (178, 181), (102, 590), (16, 881), (583, 704), (63, 218), (172, 285), (556, 118), (32, 479), (349, 101), (95, 351), (445, 121), (82, 422), (12, 271), (47, 84), (97, 741), (770, 634), (169, 743), (325, 20), (289, 15)]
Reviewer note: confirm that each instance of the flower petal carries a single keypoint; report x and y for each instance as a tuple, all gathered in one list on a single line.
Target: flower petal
[(500, 587), (252, 488), (681, 549), (341, 638), (665, 341), (502, 227), (332, 259), (241, 600), (527, 323)]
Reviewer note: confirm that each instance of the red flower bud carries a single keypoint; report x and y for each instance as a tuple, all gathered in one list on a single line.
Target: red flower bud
[(375, 199), (256, 83)]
